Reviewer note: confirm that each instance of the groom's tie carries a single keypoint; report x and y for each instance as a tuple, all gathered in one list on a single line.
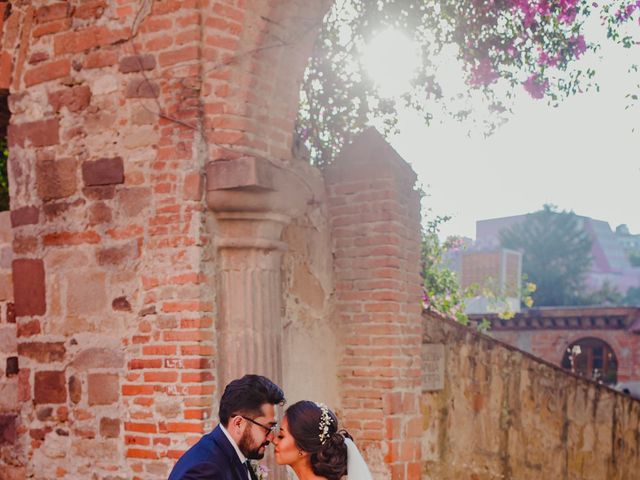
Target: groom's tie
[(252, 474)]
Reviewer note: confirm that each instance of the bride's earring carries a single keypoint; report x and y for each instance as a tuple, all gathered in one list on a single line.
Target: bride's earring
[(300, 453)]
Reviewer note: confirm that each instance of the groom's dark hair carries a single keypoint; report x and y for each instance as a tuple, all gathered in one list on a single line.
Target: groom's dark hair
[(246, 395)]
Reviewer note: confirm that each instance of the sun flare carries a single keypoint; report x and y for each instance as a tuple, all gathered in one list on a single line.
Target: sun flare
[(391, 59)]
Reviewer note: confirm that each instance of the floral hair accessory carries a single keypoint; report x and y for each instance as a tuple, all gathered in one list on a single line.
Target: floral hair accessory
[(325, 421)]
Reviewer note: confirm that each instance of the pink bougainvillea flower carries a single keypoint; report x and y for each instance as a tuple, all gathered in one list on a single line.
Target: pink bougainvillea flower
[(482, 73), (535, 86), (578, 45)]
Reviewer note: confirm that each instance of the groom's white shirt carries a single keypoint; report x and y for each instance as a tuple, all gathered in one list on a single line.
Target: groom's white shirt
[(242, 458)]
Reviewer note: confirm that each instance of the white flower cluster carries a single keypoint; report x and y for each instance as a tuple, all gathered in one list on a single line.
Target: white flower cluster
[(325, 421)]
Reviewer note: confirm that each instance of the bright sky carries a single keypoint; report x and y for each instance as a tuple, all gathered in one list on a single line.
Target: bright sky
[(581, 156)]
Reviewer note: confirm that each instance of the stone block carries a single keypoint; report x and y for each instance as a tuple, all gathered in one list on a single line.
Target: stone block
[(8, 429), (9, 396), (41, 133), (104, 171), (121, 304), (75, 389), (50, 387), (12, 367), (6, 287), (117, 255), (75, 99), (99, 213), (56, 178), (8, 342), (142, 88), (137, 63), (43, 352), (98, 357), (86, 292), (103, 388), (133, 200), (110, 427), (29, 287), (24, 216)]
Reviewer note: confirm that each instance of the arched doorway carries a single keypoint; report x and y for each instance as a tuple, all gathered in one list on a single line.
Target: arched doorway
[(592, 358)]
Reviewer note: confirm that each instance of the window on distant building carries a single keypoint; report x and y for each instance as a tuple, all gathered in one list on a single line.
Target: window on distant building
[(592, 358)]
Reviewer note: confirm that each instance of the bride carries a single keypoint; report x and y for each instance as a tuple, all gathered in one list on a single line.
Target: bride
[(311, 444)]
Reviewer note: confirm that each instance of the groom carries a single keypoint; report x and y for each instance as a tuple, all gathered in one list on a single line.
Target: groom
[(247, 425)]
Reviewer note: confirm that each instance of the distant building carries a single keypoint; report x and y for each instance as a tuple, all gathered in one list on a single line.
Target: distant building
[(601, 343), (610, 259)]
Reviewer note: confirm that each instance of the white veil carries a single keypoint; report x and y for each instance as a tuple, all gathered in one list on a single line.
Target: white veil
[(357, 468)]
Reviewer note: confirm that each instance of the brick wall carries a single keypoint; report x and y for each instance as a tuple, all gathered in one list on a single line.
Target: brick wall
[(11, 460), (116, 108), (505, 414), (550, 345), (375, 219)]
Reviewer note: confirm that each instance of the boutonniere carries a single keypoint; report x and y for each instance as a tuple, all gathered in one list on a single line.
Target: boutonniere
[(261, 471)]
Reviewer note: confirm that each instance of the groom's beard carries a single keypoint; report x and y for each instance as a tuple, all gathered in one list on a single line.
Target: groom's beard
[(249, 449)]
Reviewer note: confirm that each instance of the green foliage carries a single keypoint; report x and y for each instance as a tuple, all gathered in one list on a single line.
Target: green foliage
[(442, 290), (4, 177), (632, 297), (606, 295), (502, 46), (556, 255), (634, 258)]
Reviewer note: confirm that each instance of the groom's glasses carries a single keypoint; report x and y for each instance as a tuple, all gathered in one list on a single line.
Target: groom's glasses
[(270, 430)]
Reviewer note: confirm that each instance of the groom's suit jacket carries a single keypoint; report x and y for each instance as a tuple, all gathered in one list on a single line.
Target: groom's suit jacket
[(212, 458)]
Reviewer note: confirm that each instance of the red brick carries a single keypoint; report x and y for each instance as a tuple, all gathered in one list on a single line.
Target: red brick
[(184, 54), (47, 72), (104, 171), (141, 427), (133, 390), (6, 69), (75, 389), (103, 388), (41, 133), (28, 329), (37, 57), (87, 39), (71, 238), (43, 352), (51, 27), (92, 9), (75, 99), (101, 58), (50, 387), (161, 377), (29, 287), (137, 63), (54, 11), (24, 216), (140, 453)]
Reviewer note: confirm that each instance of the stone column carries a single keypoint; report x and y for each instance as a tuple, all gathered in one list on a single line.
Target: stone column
[(253, 200)]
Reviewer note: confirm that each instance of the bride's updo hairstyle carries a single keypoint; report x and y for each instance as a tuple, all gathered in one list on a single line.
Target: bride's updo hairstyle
[(315, 429)]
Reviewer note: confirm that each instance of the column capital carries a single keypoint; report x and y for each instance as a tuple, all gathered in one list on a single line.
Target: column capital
[(253, 199)]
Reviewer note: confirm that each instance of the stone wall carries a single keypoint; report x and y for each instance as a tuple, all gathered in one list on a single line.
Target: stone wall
[(505, 414), (10, 462)]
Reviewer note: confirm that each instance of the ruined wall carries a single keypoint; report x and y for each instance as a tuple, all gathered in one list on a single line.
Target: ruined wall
[(10, 468), (505, 414), (375, 223), (116, 108)]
